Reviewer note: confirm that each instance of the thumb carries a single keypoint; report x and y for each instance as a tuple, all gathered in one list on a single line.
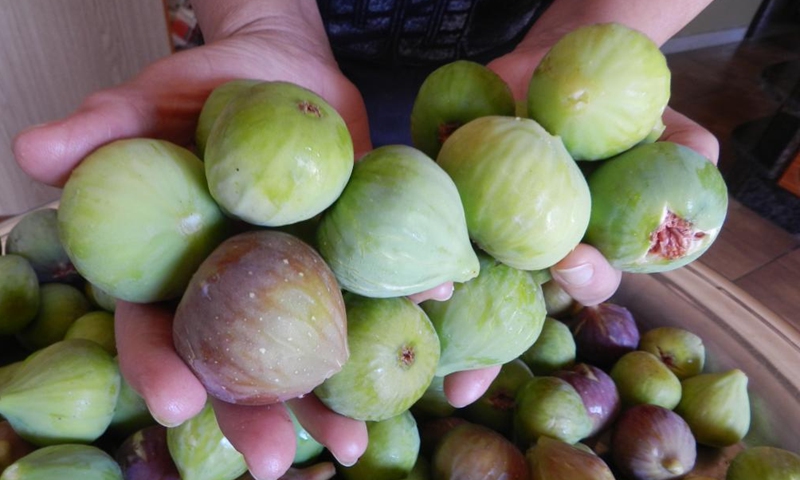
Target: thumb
[(587, 276)]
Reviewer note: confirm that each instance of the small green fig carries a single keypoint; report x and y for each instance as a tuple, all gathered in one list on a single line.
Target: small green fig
[(553, 350), (19, 294), (217, 100), (495, 408), (277, 154), (642, 378), (35, 237), (391, 452), (549, 406), (526, 201), (489, 320), (453, 95), (717, 407), (559, 303), (681, 351), (307, 447), (63, 393), (200, 450), (99, 297), (552, 459), (764, 463), (434, 402), (64, 461), (60, 305), (130, 413), (97, 326)]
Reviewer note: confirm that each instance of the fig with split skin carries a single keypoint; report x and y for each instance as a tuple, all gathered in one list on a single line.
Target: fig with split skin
[(656, 207), (476, 452), (680, 350), (262, 320), (64, 461)]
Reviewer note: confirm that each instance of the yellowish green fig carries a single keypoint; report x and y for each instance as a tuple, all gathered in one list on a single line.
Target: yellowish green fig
[(391, 452), (60, 305), (764, 463), (217, 100), (19, 294), (65, 461), (642, 378), (551, 407), (97, 326)]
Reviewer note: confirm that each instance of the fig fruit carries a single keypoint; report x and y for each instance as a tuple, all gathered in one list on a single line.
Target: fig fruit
[(65, 461), (452, 95), (764, 463), (495, 408), (144, 455), (717, 407), (398, 228), (559, 303), (63, 393), (432, 430), (130, 413), (549, 406), (656, 207), (60, 305), (217, 100), (598, 392), (262, 320), (489, 320), (391, 452), (19, 294), (277, 154), (603, 333), (602, 88), (553, 350), (97, 326), (476, 452), (99, 298), (681, 351), (394, 352), (12, 446), (552, 459), (35, 237), (642, 378), (525, 199), (433, 402), (200, 450), (653, 443), (307, 448), (136, 219)]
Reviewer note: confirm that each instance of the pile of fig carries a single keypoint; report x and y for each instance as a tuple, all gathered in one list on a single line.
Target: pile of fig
[(291, 269)]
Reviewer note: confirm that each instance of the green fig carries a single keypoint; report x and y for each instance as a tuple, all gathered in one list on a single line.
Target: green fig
[(136, 219), (65, 392), (552, 459), (553, 350), (489, 320), (35, 237), (495, 408), (681, 351), (764, 463), (200, 450), (217, 100), (451, 96), (642, 378), (66, 461), (559, 303), (277, 154), (391, 452), (526, 201), (398, 228), (394, 352), (130, 413), (307, 447), (60, 305), (99, 297), (97, 326), (19, 294), (717, 407), (549, 406), (432, 403)]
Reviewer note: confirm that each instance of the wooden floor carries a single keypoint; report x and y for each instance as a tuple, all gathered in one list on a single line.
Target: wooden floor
[(720, 87)]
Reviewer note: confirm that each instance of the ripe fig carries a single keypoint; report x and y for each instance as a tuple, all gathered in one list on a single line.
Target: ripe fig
[(549, 406), (144, 455), (136, 219), (394, 351), (262, 320), (656, 207), (554, 349), (603, 333), (433, 402), (717, 407), (642, 378), (552, 459), (391, 452), (476, 452), (543, 210), (201, 451), (217, 100), (19, 294), (97, 326), (602, 88), (60, 305), (489, 320), (35, 237), (764, 463), (63, 393), (432, 430), (495, 408), (681, 351), (277, 155), (398, 228), (65, 461), (598, 392), (653, 443), (453, 95), (12, 446), (99, 298)]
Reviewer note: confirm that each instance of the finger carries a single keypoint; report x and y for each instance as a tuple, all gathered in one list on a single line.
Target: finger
[(263, 434), (463, 388), (148, 361), (685, 131), (344, 437), (587, 276), (440, 293)]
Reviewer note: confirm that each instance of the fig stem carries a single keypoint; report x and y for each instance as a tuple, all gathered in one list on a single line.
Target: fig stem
[(673, 466)]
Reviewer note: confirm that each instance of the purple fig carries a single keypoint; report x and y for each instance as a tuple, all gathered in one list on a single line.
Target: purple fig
[(431, 431), (598, 392), (145, 456), (603, 333), (12, 446), (552, 459), (476, 452)]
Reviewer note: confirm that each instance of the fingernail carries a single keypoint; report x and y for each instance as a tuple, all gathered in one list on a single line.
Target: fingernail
[(576, 276), (346, 463)]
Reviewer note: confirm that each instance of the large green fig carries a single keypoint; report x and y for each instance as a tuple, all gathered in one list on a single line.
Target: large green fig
[(602, 88), (550, 406), (62, 393), (217, 100), (398, 228), (451, 96), (489, 320), (656, 207), (19, 294), (525, 199), (136, 219), (262, 320), (277, 154), (764, 463), (66, 461)]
